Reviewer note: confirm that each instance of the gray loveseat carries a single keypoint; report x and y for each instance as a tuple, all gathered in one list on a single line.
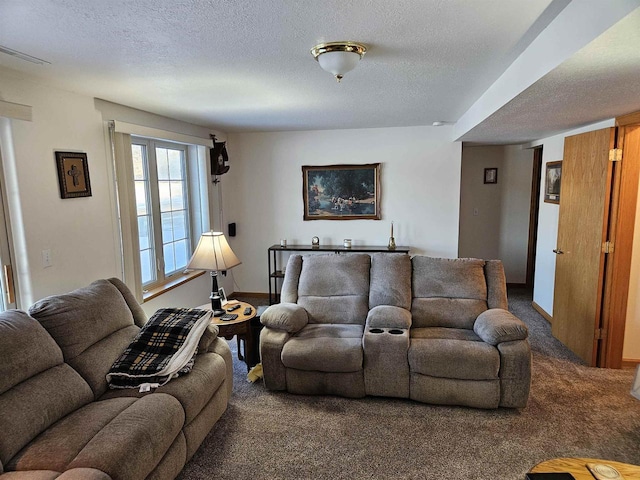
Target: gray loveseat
[(430, 329), (58, 418)]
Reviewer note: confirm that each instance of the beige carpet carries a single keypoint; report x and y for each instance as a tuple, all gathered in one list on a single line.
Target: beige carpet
[(573, 410)]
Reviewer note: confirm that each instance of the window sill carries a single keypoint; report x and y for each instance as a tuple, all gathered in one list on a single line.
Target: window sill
[(170, 285)]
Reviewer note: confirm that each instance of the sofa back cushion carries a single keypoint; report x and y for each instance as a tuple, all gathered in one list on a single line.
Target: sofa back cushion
[(36, 387), (334, 288), (390, 280), (92, 325), (447, 292)]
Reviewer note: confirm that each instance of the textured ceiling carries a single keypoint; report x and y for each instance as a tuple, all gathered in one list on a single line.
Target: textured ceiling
[(599, 82), (244, 65)]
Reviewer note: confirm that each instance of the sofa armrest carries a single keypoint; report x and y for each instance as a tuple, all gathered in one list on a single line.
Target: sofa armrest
[(289, 317), (209, 335), (496, 326), (386, 316), (221, 347)]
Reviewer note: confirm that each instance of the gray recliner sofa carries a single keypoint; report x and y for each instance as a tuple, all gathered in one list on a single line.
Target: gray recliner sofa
[(431, 329), (60, 420)]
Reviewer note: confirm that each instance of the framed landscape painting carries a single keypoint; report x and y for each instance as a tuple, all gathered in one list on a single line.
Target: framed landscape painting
[(341, 192), (552, 180)]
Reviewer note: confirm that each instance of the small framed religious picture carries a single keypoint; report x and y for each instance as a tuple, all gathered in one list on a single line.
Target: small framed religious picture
[(73, 174), (490, 175)]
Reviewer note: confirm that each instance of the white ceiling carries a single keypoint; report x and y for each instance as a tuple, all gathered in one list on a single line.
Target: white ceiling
[(244, 65)]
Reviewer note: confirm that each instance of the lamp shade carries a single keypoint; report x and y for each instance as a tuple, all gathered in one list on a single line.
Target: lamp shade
[(213, 253), (338, 58), (338, 63), (635, 389)]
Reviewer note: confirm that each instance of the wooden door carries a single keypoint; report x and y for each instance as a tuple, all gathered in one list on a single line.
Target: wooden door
[(582, 228), (621, 236)]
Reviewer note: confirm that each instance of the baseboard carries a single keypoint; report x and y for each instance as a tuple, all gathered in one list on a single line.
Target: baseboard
[(630, 362), (541, 311)]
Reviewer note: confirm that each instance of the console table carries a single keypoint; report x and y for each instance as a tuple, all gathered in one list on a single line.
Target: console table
[(275, 273)]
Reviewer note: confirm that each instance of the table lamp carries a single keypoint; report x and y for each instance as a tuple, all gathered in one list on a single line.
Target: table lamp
[(635, 389), (213, 253)]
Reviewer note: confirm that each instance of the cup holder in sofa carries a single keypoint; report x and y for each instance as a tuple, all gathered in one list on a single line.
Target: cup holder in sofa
[(396, 331), (376, 330)]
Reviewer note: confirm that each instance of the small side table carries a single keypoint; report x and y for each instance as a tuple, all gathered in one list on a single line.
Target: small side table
[(577, 467), (241, 327)]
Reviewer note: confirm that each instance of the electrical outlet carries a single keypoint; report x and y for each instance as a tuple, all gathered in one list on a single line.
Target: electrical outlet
[(46, 258)]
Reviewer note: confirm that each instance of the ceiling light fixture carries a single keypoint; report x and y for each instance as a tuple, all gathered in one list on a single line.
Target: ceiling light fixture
[(338, 58)]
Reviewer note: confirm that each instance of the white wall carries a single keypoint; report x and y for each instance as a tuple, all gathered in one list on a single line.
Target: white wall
[(552, 150), (81, 232), (420, 192), (501, 227)]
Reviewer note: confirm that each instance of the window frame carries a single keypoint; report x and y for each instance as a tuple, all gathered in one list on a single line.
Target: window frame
[(153, 196)]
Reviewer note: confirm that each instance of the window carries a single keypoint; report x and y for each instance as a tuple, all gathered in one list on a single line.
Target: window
[(160, 174)]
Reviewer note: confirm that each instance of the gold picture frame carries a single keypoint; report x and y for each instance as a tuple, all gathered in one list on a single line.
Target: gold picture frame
[(341, 192), (73, 174)]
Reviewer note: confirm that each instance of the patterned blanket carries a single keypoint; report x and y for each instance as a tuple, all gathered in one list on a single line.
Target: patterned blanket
[(164, 348)]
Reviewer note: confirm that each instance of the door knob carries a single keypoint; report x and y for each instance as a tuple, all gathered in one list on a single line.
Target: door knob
[(557, 251)]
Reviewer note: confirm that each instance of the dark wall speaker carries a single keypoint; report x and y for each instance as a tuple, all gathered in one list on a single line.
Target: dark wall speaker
[(232, 229)]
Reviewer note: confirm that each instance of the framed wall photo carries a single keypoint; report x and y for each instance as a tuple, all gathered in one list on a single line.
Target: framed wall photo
[(341, 192), (490, 175), (73, 174), (552, 181)]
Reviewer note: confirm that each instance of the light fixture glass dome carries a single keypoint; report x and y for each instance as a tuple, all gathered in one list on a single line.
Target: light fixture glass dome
[(338, 58)]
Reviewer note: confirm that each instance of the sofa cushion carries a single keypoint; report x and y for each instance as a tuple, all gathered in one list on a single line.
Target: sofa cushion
[(453, 358), (56, 447), (325, 348), (390, 280), (94, 363), (26, 349), (81, 318), (335, 288), (193, 391), (36, 388), (35, 404), (92, 325), (123, 437), (447, 292)]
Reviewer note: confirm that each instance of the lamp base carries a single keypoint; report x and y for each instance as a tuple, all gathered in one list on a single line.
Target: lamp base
[(216, 299)]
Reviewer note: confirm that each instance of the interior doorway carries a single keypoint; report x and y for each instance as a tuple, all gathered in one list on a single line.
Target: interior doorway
[(533, 216)]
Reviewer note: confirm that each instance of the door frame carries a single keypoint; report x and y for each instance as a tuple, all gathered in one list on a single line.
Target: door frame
[(534, 210), (621, 233)]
